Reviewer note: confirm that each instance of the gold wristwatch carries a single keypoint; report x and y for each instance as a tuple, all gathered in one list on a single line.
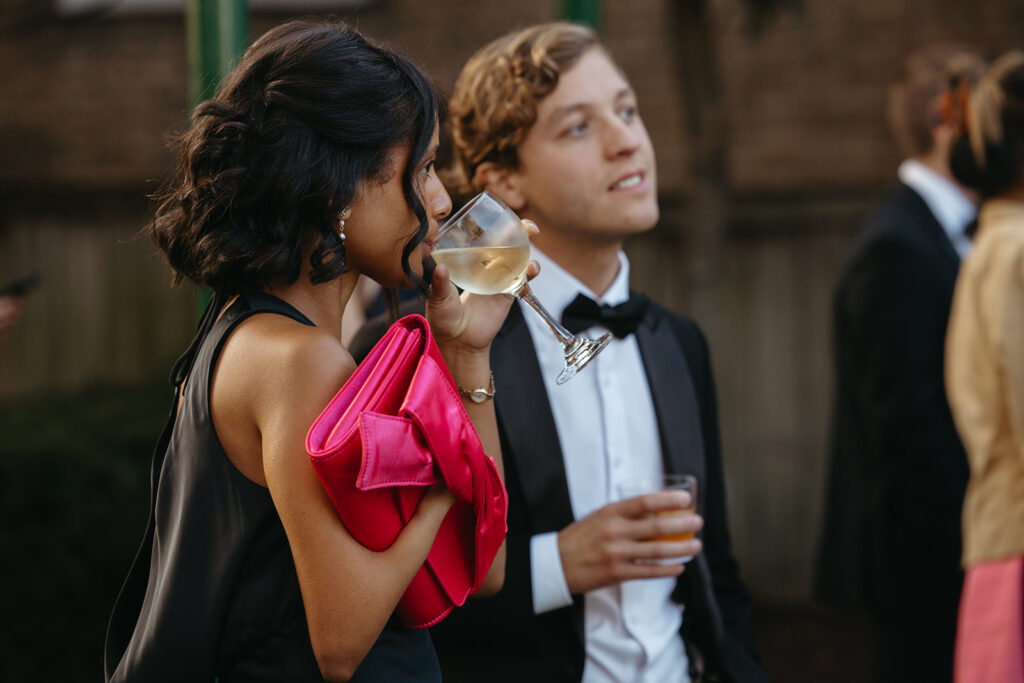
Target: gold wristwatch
[(480, 394)]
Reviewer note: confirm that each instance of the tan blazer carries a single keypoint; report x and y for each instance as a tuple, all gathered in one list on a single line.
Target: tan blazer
[(985, 382)]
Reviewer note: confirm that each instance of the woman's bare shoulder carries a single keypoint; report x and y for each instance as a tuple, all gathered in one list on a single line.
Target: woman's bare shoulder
[(282, 361)]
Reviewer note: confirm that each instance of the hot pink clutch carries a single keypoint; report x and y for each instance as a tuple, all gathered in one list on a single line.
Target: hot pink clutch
[(396, 427)]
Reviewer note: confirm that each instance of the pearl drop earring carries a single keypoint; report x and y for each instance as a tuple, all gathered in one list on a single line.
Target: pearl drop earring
[(342, 217)]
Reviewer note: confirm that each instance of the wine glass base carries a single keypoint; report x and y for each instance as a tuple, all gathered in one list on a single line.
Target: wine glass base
[(580, 352)]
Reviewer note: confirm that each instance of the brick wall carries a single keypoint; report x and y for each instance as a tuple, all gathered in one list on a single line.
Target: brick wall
[(85, 103)]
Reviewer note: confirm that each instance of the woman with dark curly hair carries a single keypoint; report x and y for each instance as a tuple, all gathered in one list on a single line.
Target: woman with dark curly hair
[(313, 165), (985, 379)]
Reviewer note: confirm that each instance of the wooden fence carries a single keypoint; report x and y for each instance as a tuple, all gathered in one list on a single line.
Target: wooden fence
[(104, 313)]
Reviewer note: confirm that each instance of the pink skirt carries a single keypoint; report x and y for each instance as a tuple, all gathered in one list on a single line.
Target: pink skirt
[(990, 630)]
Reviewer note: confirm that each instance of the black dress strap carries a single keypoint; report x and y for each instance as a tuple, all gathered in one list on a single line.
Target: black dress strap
[(261, 302)]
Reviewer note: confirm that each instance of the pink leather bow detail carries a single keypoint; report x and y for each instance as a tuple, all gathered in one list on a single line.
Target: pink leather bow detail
[(396, 427)]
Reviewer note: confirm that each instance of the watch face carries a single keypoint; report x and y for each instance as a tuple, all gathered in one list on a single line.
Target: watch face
[(480, 394)]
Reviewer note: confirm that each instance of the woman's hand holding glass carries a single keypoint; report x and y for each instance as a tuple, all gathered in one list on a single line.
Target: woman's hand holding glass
[(487, 248), (466, 323)]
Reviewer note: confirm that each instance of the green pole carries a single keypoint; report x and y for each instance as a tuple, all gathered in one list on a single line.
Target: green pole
[(216, 34), (583, 12)]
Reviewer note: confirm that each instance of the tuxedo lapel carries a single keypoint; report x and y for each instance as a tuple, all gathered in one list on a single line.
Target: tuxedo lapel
[(679, 425), (528, 425), (674, 396), (933, 231)]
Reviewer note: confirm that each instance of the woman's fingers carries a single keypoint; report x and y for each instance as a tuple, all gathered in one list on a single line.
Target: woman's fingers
[(440, 284)]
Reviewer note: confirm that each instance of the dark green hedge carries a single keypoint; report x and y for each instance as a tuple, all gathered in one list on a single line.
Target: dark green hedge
[(74, 493)]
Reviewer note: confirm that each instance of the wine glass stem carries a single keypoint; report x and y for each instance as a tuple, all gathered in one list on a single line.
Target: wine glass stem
[(564, 335)]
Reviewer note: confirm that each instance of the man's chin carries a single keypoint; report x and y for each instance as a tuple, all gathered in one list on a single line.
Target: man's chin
[(641, 222), (638, 216)]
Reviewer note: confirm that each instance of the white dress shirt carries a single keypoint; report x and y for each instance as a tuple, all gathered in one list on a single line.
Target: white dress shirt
[(951, 207), (608, 432)]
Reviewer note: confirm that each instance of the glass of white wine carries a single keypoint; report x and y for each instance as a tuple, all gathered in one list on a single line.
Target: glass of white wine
[(486, 249)]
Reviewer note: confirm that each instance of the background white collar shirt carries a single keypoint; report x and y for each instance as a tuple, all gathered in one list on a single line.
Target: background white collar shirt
[(608, 432), (951, 207)]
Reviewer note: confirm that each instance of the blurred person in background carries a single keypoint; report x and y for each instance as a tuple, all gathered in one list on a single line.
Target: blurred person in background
[(546, 120), (13, 298), (898, 471), (985, 380), (10, 310)]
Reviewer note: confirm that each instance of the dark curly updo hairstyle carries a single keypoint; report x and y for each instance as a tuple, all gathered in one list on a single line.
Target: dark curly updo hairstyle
[(989, 156), (312, 109)]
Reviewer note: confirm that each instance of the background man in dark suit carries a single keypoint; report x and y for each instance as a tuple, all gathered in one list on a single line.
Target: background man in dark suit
[(544, 119), (898, 472)]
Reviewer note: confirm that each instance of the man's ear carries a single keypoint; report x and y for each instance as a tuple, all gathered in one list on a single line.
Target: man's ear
[(503, 182)]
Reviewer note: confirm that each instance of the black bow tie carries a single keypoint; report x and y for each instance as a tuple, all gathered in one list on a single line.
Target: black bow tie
[(623, 319)]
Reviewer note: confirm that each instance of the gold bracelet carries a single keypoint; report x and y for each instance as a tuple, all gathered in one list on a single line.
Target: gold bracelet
[(478, 395)]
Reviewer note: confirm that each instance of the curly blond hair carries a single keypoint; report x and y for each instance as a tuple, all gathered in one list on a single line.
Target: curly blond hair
[(496, 96)]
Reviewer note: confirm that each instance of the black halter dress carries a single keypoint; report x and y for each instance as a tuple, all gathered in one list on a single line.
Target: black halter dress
[(213, 593)]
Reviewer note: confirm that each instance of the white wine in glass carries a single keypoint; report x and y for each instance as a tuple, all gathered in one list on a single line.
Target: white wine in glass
[(486, 249), (486, 270)]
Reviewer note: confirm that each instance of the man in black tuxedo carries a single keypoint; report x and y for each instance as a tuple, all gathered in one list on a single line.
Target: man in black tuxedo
[(898, 471), (545, 120)]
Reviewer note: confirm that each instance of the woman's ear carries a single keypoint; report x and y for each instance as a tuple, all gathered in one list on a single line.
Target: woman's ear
[(503, 182)]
